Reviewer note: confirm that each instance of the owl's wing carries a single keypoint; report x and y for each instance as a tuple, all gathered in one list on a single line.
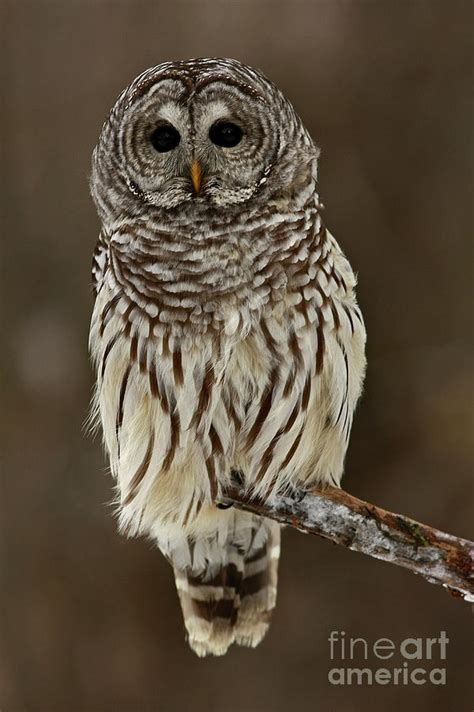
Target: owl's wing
[(155, 397), (307, 371), (100, 262), (335, 393)]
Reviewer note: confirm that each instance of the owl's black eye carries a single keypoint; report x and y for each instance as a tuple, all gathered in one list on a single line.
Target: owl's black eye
[(165, 138), (225, 134)]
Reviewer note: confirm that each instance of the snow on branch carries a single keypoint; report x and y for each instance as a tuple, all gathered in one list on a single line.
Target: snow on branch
[(343, 519)]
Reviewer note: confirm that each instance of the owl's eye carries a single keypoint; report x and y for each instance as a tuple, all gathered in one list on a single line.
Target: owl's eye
[(165, 138), (225, 134)]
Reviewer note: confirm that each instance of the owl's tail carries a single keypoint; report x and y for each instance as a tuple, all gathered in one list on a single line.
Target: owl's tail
[(235, 602)]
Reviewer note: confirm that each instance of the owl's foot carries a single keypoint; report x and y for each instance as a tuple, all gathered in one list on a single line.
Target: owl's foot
[(237, 479), (297, 493)]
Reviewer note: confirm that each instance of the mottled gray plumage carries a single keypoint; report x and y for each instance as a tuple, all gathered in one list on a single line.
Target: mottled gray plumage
[(226, 334)]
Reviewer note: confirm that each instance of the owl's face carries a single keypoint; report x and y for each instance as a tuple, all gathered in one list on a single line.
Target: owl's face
[(202, 132)]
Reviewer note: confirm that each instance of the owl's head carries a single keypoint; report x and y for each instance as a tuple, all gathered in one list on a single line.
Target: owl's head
[(207, 133)]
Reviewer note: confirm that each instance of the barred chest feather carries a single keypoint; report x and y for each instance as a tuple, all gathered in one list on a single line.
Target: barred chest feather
[(236, 348)]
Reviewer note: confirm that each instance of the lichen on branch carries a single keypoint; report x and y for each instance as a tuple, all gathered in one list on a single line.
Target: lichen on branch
[(344, 519)]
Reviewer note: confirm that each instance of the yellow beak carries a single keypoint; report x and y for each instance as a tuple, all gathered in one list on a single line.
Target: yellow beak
[(196, 175)]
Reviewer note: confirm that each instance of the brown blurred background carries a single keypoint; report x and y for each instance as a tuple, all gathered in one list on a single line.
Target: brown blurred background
[(90, 621)]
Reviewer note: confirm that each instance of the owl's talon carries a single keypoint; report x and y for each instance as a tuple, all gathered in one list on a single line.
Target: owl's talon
[(297, 493), (237, 478)]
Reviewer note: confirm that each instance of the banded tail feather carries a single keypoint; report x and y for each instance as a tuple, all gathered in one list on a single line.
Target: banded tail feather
[(235, 603)]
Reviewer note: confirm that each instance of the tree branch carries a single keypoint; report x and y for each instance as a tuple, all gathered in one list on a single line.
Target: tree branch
[(343, 519)]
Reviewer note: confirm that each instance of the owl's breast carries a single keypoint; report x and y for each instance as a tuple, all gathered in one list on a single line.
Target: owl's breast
[(216, 277), (186, 285)]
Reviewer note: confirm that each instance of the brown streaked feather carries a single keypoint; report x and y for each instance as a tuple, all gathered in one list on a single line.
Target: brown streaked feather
[(123, 390), (290, 382), (153, 382), (108, 310), (321, 348), (211, 472), (335, 316), (269, 340), (204, 395), (292, 449), (295, 351), (306, 393), (173, 441), (142, 470), (142, 358), (133, 347), (107, 351), (217, 448), (264, 409), (349, 316), (229, 397), (178, 367)]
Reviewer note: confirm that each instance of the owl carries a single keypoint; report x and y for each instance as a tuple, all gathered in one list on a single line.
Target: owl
[(226, 337)]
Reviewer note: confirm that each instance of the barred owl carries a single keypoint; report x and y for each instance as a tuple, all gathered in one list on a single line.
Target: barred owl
[(225, 334)]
